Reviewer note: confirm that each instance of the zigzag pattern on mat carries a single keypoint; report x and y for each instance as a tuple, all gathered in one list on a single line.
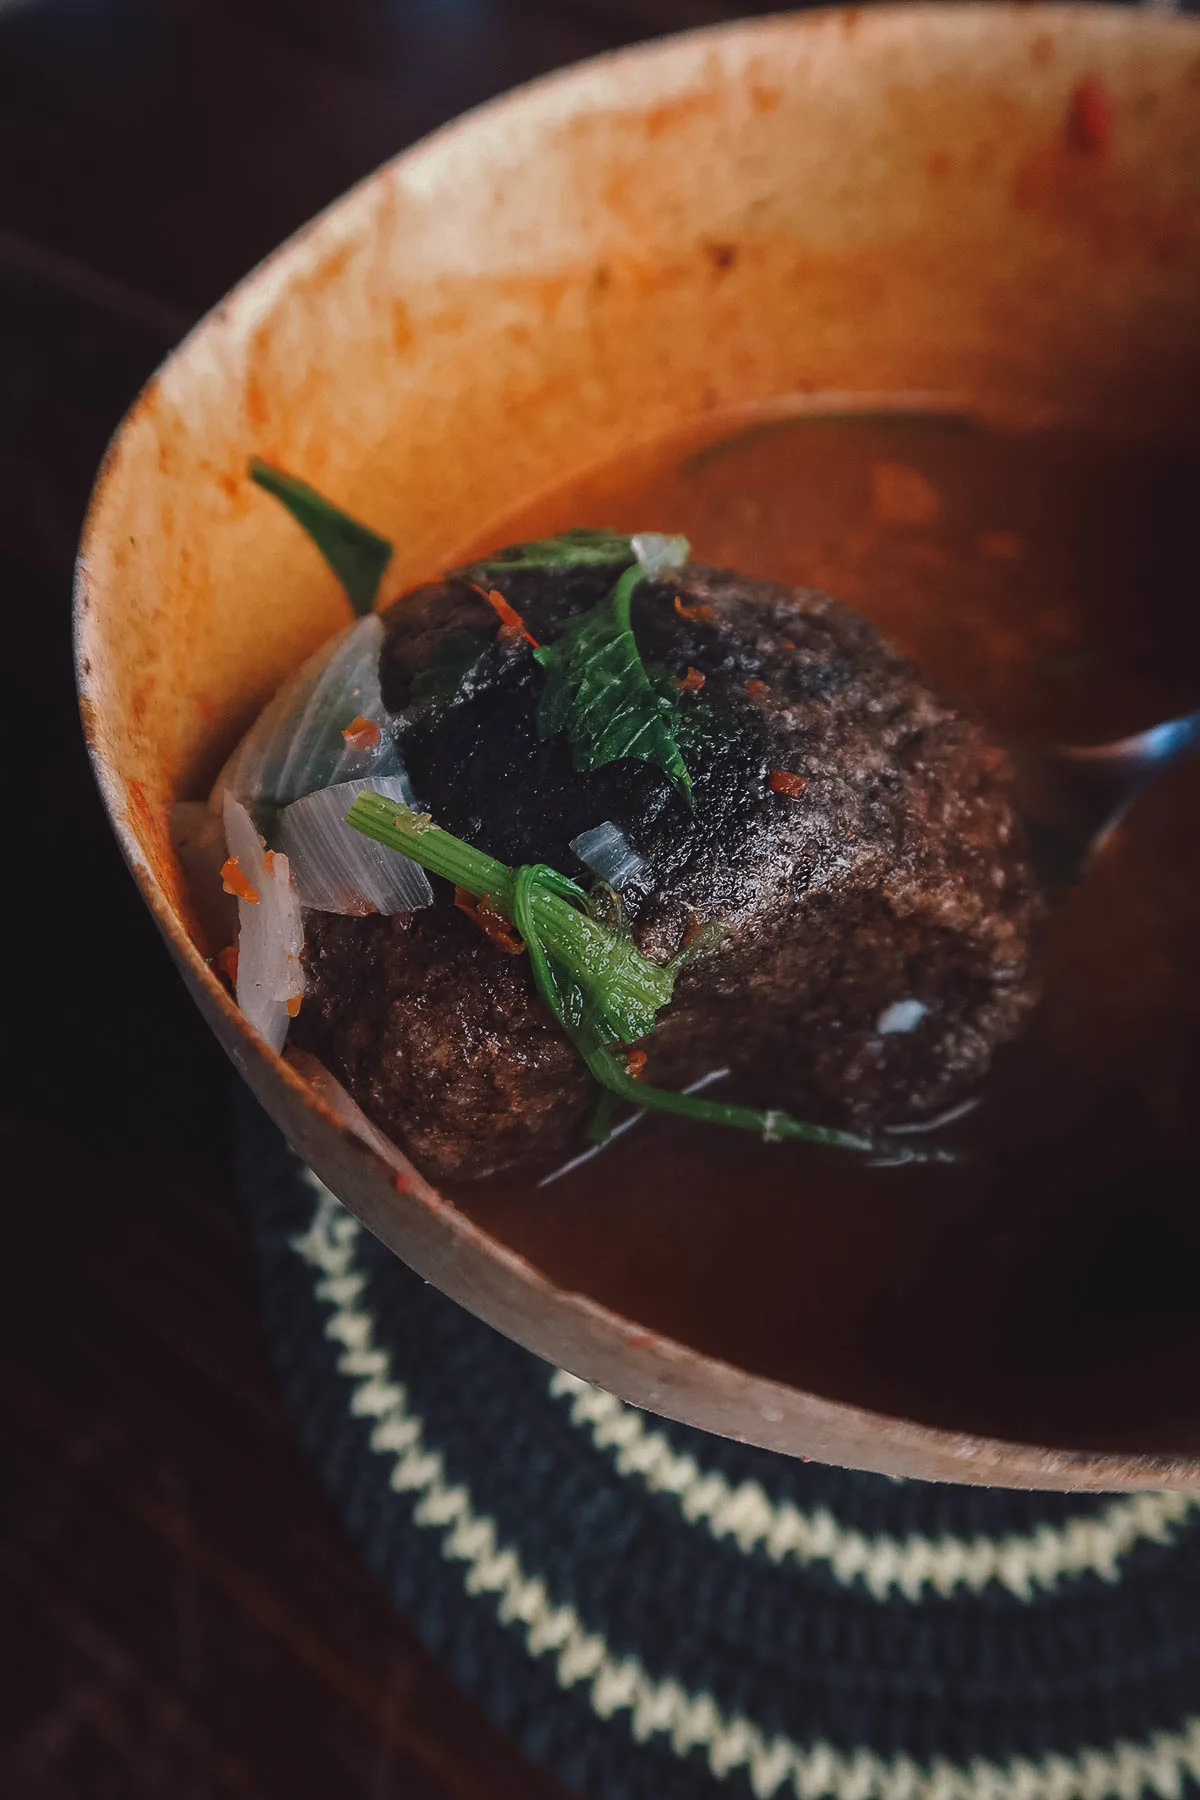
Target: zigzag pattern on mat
[(664, 1709), (1092, 1543)]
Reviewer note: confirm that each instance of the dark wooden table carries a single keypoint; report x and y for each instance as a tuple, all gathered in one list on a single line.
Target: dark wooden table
[(181, 1616)]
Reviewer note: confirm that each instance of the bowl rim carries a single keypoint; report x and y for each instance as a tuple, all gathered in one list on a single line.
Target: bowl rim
[(856, 1436)]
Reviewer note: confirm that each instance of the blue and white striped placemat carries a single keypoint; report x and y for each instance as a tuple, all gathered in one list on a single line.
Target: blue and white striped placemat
[(655, 1614)]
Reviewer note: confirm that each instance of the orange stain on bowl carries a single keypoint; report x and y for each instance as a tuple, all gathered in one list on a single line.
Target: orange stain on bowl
[(765, 99), (451, 318), (722, 257), (1086, 193), (1089, 123), (147, 401), (149, 825), (257, 410), (669, 113), (619, 187), (550, 291), (658, 277), (404, 334), (329, 268)]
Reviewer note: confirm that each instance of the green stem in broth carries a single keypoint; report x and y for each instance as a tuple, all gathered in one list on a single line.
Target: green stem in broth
[(619, 990), (598, 986)]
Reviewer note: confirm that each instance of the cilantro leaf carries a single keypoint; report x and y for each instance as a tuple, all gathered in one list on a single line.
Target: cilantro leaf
[(599, 693), (356, 554), (578, 549)]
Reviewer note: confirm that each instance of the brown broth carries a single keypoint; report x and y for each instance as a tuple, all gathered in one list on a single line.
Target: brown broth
[(1049, 1284)]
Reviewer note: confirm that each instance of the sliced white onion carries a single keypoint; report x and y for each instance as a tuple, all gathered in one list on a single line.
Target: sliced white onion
[(659, 554), (901, 1015), (607, 853), (295, 746), (270, 929), (336, 869)]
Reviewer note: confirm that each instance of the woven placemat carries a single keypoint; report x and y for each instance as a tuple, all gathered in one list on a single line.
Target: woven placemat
[(656, 1614)]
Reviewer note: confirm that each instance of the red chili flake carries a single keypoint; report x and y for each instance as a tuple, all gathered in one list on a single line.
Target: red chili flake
[(490, 920), (293, 1005), (234, 882), (227, 961), (508, 615), (1090, 118), (362, 734), (691, 683), (697, 614), (402, 1183), (782, 781), (635, 1064), (269, 861), (756, 687), (786, 644)]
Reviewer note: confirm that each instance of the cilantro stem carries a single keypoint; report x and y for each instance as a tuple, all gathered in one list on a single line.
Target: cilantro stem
[(624, 987), (622, 596), (599, 987), (770, 1126)]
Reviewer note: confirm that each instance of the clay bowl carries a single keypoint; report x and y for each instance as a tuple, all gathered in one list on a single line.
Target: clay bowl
[(881, 202)]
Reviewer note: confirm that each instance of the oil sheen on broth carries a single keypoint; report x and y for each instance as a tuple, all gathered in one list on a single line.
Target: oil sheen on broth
[(1050, 580)]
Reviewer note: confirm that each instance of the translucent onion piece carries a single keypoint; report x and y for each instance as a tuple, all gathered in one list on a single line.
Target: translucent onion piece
[(607, 853), (336, 869), (900, 1016), (658, 554), (270, 930), (295, 746)]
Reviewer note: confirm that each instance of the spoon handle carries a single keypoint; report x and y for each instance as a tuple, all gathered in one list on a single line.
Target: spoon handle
[(1148, 752), (1076, 795)]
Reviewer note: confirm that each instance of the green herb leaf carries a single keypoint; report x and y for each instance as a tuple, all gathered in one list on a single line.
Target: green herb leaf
[(610, 982), (772, 1127), (599, 988), (598, 691), (579, 549), (357, 555)]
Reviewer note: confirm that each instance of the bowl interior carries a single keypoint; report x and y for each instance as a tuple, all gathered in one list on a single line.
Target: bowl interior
[(907, 204)]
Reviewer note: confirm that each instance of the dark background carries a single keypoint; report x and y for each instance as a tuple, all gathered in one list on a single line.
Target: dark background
[(180, 1616)]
